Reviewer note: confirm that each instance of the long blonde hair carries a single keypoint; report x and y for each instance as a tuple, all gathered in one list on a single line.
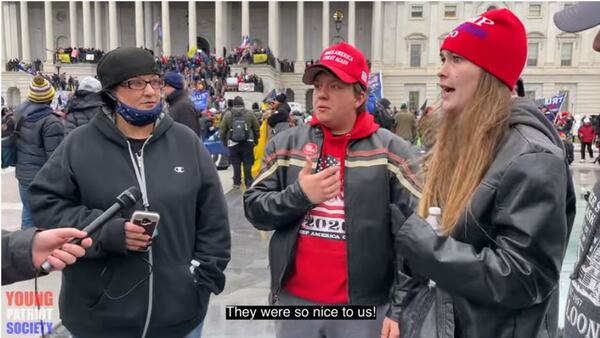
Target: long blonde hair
[(466, 146)]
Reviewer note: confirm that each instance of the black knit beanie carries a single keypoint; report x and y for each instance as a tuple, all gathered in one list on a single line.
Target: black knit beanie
[(281, 98), (122, 64)]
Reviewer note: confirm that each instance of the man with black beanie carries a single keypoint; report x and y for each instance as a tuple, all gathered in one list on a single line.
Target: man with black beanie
[(280, 114), (181, 107), (134, 281)]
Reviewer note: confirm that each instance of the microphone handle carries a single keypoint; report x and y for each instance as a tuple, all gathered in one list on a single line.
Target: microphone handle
[(91, 228), (98, 222)]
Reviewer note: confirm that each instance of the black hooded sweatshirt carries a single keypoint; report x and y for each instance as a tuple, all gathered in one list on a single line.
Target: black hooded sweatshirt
[(110, 292)]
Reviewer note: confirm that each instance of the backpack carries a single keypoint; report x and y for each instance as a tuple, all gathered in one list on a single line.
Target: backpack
[(384, 118), (221, 161), (569, 151), (239, 128), (9, 147)]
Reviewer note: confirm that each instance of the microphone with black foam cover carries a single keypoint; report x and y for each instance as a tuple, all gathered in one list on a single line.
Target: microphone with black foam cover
[(125, 200)]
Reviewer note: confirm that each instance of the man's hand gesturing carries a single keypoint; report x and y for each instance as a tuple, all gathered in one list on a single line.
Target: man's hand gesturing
[(321, 186)]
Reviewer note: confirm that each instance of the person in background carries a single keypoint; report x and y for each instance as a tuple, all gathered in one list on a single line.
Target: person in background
[(279, 120), (587, 135), (257, 112), (405, 124), (383, 114), (84, 104), (428, 127), (39, 135), (240, 132), (181, 107), (520, 88), (550, 116), (9, 155)]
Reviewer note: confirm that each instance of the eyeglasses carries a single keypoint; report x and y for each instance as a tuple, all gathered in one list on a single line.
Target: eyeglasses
[(139, 84)]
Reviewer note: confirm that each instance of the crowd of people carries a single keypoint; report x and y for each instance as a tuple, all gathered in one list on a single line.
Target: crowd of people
[(585, 130), (63, 81), (16, 65), (286, 66), (251, 54), (78, 55), (467, 240), (233, 82)]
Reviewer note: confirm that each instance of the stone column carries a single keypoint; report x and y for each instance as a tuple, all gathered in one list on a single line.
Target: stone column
[(552, 44), (433, 50), (11, 30), (26, 49), (166, 28), (98, 25), (300, 33), (148, 26), (325, 36), (274, 27), (50, 48), (139, 24), (192, 33), (245, 18), (73, 23), (352, 23), (5, 40), (218, 28), (112, 25), (87, 24), (376, 34)]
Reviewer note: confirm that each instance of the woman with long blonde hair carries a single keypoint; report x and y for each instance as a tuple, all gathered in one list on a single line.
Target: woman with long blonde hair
[(499, 175)]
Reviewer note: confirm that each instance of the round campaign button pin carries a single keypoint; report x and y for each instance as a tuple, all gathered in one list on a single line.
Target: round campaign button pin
[(310, 149)]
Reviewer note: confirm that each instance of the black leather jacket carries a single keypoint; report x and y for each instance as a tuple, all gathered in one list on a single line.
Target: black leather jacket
[(378, 172), (502, 264)]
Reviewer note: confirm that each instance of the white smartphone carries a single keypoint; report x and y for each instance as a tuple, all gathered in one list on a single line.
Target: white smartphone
[(147, 220)]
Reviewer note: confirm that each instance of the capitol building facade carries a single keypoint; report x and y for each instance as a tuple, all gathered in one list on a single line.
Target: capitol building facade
[(401, 39)]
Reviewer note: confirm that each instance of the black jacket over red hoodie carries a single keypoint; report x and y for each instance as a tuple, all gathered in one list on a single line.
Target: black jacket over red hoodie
[(379, 168)]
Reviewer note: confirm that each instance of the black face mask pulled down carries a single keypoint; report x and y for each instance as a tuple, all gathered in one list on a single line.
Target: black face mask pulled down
[(138, 117)]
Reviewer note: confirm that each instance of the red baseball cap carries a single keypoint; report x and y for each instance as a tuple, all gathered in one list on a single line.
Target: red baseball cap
[(344, 61), (495, 41)]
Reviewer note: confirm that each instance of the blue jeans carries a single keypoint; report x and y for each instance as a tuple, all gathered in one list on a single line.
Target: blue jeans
[(26, 221), (196, 332)]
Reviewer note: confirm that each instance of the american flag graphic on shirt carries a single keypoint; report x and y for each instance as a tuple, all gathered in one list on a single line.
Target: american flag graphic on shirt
[(327, 220)]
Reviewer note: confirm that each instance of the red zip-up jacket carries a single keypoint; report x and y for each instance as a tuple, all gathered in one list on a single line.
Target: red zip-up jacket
[(586, 133)]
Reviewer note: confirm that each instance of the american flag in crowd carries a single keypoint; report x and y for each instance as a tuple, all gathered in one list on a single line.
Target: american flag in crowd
[(245, 42)]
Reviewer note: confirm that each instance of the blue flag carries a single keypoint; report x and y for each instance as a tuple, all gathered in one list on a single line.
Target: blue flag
[(200, 99), (375, 91), (553, 103)]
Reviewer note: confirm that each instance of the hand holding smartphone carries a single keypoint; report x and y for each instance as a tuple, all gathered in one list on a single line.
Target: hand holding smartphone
[(148, 221)]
